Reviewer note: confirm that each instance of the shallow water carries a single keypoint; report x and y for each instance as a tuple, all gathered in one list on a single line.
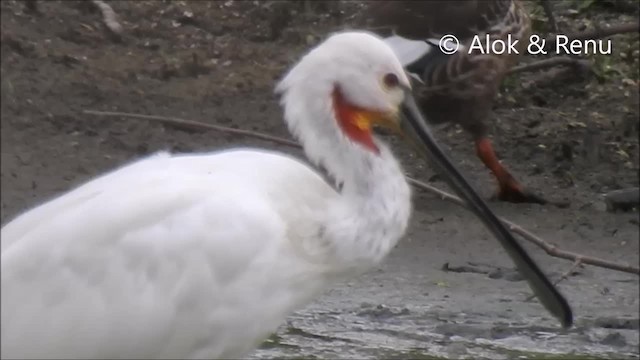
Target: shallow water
[(410, 308)]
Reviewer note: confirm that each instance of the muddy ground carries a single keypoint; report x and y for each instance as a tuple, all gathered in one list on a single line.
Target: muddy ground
[(570, 136)]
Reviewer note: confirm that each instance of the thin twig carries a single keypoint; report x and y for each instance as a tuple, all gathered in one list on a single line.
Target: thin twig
[(109, 17), (546, 63), (185, 124), (568, 273), (562, 277), (550, 249)]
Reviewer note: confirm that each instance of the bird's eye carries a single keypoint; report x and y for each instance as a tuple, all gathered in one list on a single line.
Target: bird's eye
[(391, 80)]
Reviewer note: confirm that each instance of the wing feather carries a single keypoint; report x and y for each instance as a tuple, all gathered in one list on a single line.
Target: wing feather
[(151, 259)]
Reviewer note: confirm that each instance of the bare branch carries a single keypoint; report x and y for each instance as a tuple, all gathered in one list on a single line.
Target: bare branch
[(185, 124), (581, 64), (550, 249), (547, 247)]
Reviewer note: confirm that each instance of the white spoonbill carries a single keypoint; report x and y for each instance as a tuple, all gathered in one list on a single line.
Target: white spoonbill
[(204, 255)]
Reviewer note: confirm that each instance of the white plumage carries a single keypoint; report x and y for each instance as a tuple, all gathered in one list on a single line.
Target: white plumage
[(202, 256), (408, 51)]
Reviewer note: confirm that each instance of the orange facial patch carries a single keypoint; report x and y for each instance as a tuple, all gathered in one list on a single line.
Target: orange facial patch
[(354, 121)]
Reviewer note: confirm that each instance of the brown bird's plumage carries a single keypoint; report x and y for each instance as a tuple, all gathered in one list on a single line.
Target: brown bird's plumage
[(461, 87)]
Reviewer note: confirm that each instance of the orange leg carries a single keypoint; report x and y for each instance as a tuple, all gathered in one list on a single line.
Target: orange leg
[(509, 188)]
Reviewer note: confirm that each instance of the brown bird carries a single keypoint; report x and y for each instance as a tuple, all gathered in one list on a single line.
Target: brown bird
[(461, 87)]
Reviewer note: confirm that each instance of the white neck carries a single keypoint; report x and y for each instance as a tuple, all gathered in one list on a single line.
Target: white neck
[(373, 211), (364, 223)]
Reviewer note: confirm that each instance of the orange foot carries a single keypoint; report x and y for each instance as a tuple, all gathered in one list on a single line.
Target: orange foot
[(509, 188)]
